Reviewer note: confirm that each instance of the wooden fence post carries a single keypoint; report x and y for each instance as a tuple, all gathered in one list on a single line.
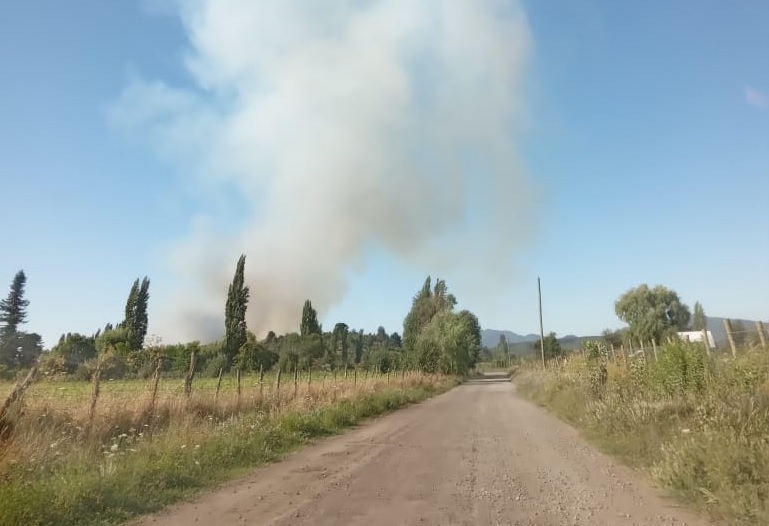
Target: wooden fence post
[(654, 346), (155, 382), (190, 375), (730, 336), (296, 379), (237, 375), (277, 383), (94, 398), (6, 427), (218, 384), (706, 341), (761, 334)]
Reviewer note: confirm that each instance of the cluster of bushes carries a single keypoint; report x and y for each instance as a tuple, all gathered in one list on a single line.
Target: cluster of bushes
[(698, 424)]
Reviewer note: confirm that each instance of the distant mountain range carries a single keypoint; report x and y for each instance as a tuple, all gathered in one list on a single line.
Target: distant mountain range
[(524, 344)]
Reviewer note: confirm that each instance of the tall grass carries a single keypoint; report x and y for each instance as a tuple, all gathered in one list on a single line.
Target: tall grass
[(139, 456), (698, 425)]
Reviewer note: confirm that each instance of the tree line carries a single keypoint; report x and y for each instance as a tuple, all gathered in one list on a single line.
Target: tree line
[(652, 314), (435, 339)]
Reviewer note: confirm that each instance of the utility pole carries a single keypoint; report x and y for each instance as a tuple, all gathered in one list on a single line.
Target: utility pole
[(541, 327)]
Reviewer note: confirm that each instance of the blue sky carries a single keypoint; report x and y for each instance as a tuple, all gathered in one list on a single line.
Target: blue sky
[(647, 132)]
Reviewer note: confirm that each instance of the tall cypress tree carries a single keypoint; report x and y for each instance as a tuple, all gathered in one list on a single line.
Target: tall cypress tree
[(235, 313), (310, 323), (130, 308), (141, 319), (135, 320)]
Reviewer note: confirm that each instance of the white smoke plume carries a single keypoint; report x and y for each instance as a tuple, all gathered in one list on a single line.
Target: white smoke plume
[(340, 125)]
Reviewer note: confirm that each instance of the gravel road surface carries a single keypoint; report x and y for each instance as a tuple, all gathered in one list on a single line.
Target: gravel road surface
[(477, 455)]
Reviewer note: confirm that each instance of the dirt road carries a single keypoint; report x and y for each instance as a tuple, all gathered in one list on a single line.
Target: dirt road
[(476, 455)]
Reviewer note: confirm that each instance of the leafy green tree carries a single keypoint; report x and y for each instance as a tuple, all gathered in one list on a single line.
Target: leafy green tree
[(502, 348), (425, 305), (75, 349), (115, 340), (448, 344), (341, 333), (699, 320), (235, 313), (359, 346), (395, 341), (473, 327), (652, 314), (613, 338), (553, 347), (382, 337), (309, 323), (418, 317), (254, 355)]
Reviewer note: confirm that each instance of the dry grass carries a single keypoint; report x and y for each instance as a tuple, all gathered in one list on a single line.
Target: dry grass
[(707, 442), (139, 456)]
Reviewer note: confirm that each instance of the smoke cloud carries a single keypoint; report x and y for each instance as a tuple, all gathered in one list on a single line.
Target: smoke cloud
[(323, 129)]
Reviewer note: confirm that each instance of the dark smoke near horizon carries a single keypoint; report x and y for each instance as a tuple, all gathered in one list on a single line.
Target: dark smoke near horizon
[(385, 122)]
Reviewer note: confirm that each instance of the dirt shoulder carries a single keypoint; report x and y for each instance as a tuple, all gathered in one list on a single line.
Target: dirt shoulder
[(478, 454)]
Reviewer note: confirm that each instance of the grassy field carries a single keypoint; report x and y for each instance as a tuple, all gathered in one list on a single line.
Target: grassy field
[(140, 454), (697, 425)]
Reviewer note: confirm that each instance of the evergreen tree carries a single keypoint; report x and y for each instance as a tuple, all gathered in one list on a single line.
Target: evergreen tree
[(235, 313), (17, 349), (13, 309)]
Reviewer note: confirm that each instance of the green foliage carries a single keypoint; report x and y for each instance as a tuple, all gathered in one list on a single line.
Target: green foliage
[(135, 319), (254, 356), (553, 347), (341, 337), (383, 360), (18, 350), (309, 323), (681, 367), (699, 320), (95, 486), (614, 338), (448, 344), (359, 346), (117, 340), (652, 314), (74, 349), (596, 356), (502, 348), (436, 339), (13, 309), (235, 313), (697, 424)]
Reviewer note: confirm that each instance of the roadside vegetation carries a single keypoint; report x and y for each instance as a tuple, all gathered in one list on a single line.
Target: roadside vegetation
[(696, 422), (101, 428)]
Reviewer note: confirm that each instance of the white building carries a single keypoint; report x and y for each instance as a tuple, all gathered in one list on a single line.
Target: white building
[(696, 336)]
